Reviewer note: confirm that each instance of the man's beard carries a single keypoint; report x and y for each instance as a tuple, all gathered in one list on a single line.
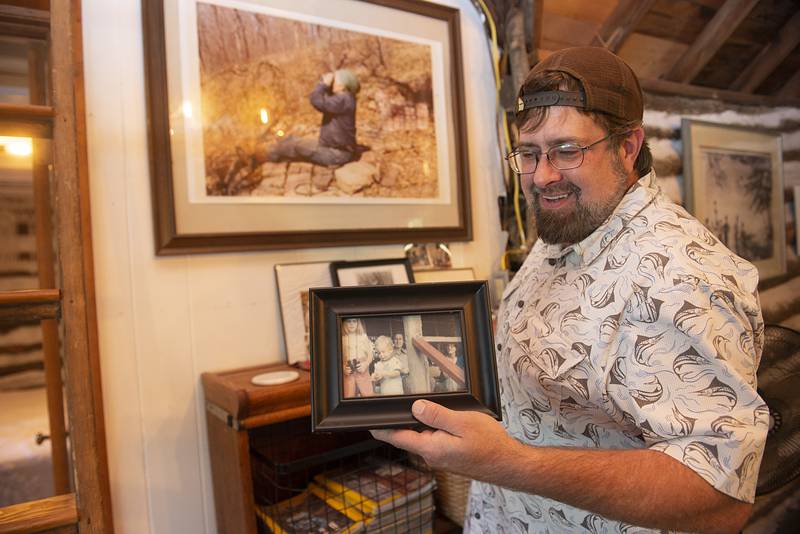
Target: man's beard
[(555, 227)]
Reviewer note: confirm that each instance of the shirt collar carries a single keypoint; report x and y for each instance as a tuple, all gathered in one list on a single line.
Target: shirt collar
[(639, 196)]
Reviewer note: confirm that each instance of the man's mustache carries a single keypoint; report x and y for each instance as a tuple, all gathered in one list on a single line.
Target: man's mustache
[(557, 190)]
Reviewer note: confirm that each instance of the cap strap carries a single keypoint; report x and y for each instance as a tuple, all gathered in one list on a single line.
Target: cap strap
[(551, 98)]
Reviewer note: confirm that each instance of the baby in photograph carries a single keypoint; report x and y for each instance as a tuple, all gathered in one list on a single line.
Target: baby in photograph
[(388, 370)]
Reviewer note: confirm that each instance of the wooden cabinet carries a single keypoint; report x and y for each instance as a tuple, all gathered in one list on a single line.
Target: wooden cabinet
[(242, 417), (235, 408)]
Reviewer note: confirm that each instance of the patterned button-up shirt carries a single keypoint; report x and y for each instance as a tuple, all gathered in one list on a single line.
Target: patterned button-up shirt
[(646, 334)]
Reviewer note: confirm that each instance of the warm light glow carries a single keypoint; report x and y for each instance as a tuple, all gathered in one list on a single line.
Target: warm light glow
[(187, 109), (17, 146), (264, 116), (280, 133)]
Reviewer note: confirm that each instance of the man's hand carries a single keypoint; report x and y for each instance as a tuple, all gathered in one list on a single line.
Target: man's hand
[(468, 443), (327, 79)]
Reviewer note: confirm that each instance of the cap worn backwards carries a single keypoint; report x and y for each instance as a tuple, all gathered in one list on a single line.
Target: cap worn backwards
[(608, 84)]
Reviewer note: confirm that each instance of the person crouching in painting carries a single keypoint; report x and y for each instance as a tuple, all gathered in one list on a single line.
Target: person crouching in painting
[(388, 369), (334, 97), (356, 357)]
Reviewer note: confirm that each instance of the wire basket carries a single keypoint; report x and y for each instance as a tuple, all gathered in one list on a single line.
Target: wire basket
[(337, 483)]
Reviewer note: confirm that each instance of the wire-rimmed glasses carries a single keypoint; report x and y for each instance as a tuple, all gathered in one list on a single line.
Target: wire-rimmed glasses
[(525, 160)]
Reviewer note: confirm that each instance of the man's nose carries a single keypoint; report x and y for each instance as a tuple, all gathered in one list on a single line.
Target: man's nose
[(545, 174)]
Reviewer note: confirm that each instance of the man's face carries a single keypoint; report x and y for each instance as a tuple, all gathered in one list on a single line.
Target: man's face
[(569, 205), (398, 341)]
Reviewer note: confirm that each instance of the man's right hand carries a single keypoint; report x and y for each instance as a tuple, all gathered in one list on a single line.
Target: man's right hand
[(327, 79)]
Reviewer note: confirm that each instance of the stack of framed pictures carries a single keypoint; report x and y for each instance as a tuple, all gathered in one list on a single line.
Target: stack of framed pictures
[(295, 279)]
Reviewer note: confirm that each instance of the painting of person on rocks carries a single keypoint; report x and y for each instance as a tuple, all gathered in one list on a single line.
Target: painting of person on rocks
[(299, 111)]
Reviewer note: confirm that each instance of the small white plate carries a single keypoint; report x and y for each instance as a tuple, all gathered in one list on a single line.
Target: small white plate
[(275, 378)]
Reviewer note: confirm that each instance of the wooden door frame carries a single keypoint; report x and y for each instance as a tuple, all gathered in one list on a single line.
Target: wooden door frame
[(88, 510)]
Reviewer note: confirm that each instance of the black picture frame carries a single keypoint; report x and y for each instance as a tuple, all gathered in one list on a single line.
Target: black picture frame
[(340, 271), (329, 307)]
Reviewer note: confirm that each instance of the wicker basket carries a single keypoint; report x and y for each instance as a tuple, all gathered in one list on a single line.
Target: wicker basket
[(451, 495)]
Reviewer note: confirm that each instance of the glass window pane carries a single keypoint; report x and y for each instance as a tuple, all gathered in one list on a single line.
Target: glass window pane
[(23, 64)]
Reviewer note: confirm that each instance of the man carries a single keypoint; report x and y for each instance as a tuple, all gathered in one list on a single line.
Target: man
[(335, 97), (627, 344), (399, 342)]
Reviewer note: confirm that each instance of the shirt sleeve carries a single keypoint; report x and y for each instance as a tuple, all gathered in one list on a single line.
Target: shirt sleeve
[(685, 375), (323, 100)]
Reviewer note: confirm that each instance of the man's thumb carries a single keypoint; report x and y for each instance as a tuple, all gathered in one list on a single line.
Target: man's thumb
[(434, 415)]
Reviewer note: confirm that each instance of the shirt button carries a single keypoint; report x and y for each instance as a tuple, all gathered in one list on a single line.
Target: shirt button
[(499, 346), (477, 515), (520, 304)]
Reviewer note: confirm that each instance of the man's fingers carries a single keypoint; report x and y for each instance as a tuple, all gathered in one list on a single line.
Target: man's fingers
[(437, 416), (408, 440)]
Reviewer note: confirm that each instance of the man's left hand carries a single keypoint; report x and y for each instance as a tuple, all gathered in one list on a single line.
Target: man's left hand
[(467, 443)]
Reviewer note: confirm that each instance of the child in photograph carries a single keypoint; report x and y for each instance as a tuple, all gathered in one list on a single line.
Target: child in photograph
[(388, 370), (356, 357), (441, 382)]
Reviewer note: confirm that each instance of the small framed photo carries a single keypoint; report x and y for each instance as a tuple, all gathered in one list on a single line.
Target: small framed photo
[(294, 281), (376, 349), (459, 274), (734, 186), (372, 272)]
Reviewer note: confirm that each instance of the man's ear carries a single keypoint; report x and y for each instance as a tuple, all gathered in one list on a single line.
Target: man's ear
[(631, 146)]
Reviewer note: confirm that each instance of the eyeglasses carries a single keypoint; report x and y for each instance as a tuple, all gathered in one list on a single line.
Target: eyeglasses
[(525, 160)]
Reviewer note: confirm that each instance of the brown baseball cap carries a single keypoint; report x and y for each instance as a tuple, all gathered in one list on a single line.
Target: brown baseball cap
[(609, 85)]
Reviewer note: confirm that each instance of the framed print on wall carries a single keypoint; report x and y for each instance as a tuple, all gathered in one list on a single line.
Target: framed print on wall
[(734, 186), (239, 92), (293, 281), (372, 272), (376, 349)]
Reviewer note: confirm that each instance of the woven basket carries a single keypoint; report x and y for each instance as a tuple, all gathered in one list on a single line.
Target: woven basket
[(451, 495)]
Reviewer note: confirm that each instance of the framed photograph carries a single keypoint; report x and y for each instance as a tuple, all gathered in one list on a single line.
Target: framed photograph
[(797, 218), (734, 185), (372, 272), (376, 349), (429, 256), (459, 274), (284, 124), (294, 280)]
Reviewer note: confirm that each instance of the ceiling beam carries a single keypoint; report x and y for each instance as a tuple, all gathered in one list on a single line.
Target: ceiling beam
[(713, 36), (770, 57), (653, 85), (621, 23), (791, 89)]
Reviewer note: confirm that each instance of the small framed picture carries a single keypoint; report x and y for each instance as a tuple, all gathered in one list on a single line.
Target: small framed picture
[(372, 272), (294, 281), (797, 218), (376, 349), (459, 274)]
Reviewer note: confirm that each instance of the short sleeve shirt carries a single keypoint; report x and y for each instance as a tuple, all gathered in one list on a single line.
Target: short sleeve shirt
[(646, 334)]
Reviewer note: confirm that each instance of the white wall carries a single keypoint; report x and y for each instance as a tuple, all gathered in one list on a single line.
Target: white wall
[(163, 321)]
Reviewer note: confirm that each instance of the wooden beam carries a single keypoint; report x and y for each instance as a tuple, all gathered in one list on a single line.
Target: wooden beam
[(443, 362), (770, 57), (621, 23), (713, 36), (38, 516), (791, 89), (734, 97), (74, 241), (29, 305), (26, 120)]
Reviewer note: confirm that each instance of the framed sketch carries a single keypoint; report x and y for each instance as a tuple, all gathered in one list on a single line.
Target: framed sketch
[(459, 274), (287, 124), (797, 219), (371, 272), (376, 349), (294, 280), (734, 185)]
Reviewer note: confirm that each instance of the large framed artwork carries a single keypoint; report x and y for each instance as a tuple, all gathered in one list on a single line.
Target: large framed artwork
[(376, 349), (284, 124), (734, 185)]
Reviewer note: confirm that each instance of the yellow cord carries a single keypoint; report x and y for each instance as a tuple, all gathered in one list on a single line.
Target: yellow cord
[(504, 126)]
